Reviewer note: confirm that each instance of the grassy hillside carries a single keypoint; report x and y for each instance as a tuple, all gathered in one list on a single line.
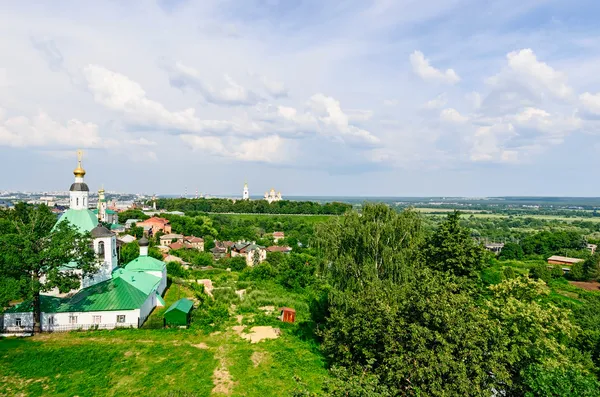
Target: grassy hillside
[(205, 360)]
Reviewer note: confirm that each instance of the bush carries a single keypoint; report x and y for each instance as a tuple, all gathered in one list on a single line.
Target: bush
[(261, 272), (237, 263), (511, 251), (577, 272), (175, 269), (509, 273), (556, 272), (540, 272)]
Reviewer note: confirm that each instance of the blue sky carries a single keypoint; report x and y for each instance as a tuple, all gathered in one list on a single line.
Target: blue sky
[(311, 97)]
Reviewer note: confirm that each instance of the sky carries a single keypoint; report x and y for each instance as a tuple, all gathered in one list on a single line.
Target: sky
[(310, 97)]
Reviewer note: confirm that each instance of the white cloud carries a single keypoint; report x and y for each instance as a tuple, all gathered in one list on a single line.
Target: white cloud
[(591, 102), (474, 98), (269, 149), (358, 115), (140, 142), (452, 116), (41, 130), (422, 68), (526, 69), (119, 93), (276, 89), (487, 143), (232, 93), (437, 102), (390, 102)]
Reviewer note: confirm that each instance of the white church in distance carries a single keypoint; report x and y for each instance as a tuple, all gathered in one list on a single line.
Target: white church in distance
[(112, 296)]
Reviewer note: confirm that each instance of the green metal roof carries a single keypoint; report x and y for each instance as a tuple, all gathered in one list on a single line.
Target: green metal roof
[(114, 226), (110, 212), (147, 283), (183, 305), (49, 304), (84, 220), (114, 294), (146, 263)]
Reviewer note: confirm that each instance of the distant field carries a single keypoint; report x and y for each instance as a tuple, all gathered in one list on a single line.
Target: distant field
[(478, 214)]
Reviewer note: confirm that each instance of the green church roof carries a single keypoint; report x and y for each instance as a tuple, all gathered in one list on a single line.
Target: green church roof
[(146, 263), (109, 295), (147, 283), (84, 220), (183, 305)]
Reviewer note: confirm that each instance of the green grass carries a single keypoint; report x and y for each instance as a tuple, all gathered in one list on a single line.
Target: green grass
[(171, 362)]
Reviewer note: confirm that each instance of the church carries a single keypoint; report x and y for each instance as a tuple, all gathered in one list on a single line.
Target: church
[(112, 296)]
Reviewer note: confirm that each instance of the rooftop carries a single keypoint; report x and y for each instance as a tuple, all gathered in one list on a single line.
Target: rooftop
[(183, 305), (84, 220), (564, 259)]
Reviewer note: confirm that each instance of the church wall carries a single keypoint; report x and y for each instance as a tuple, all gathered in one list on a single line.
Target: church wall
[(108, 320), (147, 307)]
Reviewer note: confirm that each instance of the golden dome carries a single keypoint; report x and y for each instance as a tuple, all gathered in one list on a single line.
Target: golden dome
[(79, 171)]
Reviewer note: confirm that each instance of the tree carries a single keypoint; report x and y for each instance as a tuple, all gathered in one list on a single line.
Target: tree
[(511, 251), (129, 252), (237, 263), (540, 272), (451, 249), (379, 244), (35, 255), (509, 272)]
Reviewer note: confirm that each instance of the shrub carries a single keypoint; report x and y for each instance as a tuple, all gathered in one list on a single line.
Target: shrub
[(175, 269), (557, 272), (509, 273), (237, 263), (261, 272), (540, 272)]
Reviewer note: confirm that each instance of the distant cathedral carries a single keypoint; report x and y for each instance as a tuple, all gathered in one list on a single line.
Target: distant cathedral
[(271, 196)]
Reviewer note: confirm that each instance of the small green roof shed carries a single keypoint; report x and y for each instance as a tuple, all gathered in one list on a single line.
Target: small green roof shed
[(179, 314)]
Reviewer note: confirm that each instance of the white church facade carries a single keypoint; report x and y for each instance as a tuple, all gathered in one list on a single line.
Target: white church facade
[(112, 296)]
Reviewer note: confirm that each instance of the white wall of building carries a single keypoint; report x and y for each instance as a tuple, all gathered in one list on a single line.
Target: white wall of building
[(63, 321)]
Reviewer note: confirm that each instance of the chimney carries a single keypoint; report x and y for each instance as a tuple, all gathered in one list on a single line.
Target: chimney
[(143, 242)]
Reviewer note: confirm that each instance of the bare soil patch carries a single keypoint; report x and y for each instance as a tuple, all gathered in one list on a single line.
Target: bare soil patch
[(257, 358), (260, 333), (587, 285), (201, 345)]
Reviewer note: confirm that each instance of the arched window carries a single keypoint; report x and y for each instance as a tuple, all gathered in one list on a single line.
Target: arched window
[(78, 201), (101, 248)]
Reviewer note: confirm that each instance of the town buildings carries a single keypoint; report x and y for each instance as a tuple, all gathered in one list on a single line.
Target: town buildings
[(109, 298), (155, 224), (253, 253)]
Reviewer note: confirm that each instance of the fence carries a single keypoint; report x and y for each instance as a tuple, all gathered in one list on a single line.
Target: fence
[(68, 327)]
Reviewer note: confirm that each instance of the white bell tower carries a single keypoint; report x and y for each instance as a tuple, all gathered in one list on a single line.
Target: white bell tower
[(79, 191), (246, 195)]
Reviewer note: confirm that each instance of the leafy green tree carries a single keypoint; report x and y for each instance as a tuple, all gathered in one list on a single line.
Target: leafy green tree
[(559, 381), (131, 214), (379, 244), (175, 269), (591, 267), (34, 255), (509, 272), (540, 272), (512, 251), (129, 252), (237, 263), (297, 271), (451, 249)]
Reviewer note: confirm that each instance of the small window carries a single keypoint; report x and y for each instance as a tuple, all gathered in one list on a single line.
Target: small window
[(121, 318), (51, 320), (77, 201), (72, 319), (96, 319), (101, 248), (18, 322)]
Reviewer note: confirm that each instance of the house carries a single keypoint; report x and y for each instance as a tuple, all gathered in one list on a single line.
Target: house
[(156, 225), (109, 298), (163, 249), (173, 258), (126, 239), (177, 245), (563, 260), (494, 247), (196, 243), (218, 252), (278, 236), (130, 222), (250, 251), (167, 239), (592, 248), (276, 248)]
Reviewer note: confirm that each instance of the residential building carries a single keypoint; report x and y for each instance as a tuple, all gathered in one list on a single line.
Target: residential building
[(167, 239), (592, 248), (196, 243), (276, 248), (563, 260), (155, 225), (250, 251), (278, 236)]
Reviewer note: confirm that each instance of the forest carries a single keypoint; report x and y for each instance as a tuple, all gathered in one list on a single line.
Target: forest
[(394, 303)]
